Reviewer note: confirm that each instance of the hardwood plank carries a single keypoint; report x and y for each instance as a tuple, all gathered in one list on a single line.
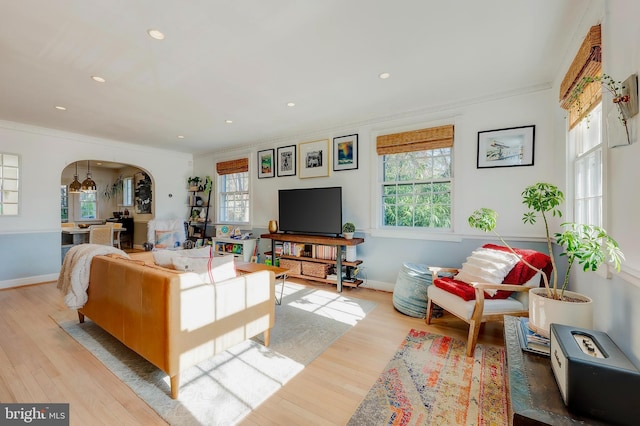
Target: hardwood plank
[(42, 363)]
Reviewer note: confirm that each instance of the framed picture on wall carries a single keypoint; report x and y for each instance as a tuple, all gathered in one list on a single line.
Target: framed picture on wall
[(345, 152), (286, 159), (314, 159), (143, 193), (266, 166), (511, 147)]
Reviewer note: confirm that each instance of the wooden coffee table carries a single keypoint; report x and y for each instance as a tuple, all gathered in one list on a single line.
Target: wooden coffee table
[(250, 267)]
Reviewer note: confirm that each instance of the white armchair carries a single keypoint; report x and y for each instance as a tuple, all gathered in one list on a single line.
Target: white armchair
[(166, 233), (478, 302)]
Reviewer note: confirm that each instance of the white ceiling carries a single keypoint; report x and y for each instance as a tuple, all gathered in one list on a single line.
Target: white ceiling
[(244, 60)]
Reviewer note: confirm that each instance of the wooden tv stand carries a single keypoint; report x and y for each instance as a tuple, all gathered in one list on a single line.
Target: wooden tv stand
[(337, 242)]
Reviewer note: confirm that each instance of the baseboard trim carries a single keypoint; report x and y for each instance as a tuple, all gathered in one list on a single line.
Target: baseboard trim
[(20, 282)]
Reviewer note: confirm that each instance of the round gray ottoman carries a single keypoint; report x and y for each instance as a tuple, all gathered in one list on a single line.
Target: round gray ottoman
[(410, 291)]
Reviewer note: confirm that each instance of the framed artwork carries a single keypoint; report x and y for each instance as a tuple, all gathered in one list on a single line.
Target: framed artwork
[(266, 164), (345, 152), (511, 147), (313, 159), (143, 193), (286, 160)]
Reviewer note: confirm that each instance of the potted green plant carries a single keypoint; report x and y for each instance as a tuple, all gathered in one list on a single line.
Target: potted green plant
[(615, 88), (194, 183), (348, 229), (589, 245)]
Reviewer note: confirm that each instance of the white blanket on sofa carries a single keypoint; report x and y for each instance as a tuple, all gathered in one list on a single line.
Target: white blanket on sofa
[(73, 280)]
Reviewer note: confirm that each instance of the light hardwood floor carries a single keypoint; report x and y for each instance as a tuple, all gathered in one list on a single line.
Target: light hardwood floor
[(39, 362)]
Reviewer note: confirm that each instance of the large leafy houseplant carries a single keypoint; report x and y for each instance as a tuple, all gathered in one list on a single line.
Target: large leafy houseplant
[(589, 245)]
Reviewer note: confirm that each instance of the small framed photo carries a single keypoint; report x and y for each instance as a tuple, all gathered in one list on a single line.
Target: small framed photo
[(511, 147), (266, 166), (313, 159), (345, 152), (286, 156)]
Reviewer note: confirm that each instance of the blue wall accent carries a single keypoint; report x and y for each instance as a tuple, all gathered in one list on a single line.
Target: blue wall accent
[(43, 254)]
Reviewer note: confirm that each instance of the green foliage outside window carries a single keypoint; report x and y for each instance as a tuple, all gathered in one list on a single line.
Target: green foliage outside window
[(88, 206), (416, 191)]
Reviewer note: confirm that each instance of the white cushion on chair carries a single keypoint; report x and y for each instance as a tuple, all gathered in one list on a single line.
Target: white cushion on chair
[(487, 266), (464, 309)]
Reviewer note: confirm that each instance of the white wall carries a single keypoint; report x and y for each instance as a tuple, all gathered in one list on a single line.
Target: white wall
[(30, 242), (383, 252), (617, 300)]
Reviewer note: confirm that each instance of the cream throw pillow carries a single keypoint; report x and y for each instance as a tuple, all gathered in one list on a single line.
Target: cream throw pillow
[(222, 267), (487, 266), (165, 258)]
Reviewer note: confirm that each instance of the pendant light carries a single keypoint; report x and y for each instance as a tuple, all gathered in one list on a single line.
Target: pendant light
[(88, 185), (75, 186)]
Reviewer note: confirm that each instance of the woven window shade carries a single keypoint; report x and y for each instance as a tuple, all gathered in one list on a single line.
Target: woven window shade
[(232, 166), (587, 63), (415, 140)]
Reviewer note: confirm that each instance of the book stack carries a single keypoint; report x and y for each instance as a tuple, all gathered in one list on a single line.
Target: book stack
[(532, 342)]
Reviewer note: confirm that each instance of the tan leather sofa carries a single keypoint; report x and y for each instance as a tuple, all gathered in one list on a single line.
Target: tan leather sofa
[(173, 319)]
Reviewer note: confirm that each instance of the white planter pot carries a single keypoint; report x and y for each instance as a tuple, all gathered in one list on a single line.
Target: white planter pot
[(543, 311), (348, 235)]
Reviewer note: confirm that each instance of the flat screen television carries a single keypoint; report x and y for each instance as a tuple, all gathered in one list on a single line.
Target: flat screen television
[(310, 210)]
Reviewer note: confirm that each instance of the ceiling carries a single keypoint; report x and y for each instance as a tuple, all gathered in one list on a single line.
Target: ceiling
[(245, 60)]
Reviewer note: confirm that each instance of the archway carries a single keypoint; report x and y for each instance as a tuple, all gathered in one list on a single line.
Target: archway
[(122, 191)]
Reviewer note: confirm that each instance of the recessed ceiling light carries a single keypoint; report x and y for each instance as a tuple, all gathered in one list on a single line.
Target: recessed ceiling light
[(180, 137), (158, 35), (384, 75), (228, 121), (98, 78), (61, 108), (99, 163), (291, 104)]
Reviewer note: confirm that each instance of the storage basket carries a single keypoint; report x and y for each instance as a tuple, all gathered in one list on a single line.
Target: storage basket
[(313, 269), (294, 266)]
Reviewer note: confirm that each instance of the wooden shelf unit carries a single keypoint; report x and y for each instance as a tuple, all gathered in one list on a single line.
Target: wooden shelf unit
[(196, 229), (337, 242)]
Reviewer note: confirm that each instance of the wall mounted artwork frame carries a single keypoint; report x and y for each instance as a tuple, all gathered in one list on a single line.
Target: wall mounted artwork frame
[(143, 193), (345, 152), (313, 159), (286, 156), (266, 164), (510, 147)]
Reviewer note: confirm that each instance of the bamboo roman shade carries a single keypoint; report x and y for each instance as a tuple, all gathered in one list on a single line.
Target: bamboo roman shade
[(587, 63), (415, 140), (232, 166)]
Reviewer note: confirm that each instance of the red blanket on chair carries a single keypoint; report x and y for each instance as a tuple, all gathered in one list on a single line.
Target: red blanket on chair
[(519, 274)]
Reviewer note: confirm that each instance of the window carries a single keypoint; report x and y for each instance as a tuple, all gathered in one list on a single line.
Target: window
[(9, 173), (233, 198), (416, 189), (581, 96), (416, 178), (88, 205), (127, 191), (64, 203), (586, 144)]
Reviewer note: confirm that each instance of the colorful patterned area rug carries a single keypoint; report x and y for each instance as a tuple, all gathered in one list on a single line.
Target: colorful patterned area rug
[(430, 381)]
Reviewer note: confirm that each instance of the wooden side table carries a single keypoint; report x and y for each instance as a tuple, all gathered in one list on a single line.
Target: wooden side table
[(534, 393)]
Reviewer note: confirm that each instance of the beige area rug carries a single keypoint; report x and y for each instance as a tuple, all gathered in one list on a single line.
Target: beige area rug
[(225, 388), (431, 381)]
